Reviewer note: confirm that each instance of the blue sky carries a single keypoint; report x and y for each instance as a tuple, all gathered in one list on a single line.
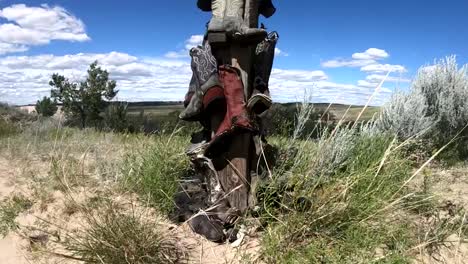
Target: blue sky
[(338, 49)]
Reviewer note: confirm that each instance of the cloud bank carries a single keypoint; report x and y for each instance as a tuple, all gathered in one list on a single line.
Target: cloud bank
[(32, 26), (24, 79)]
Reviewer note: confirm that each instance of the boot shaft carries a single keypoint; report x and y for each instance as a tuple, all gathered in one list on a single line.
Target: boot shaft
[(228, 8), (218, 8), (205, 76), (236, 112), (235, 9), (263, 62), (228, 16), (217, 20)]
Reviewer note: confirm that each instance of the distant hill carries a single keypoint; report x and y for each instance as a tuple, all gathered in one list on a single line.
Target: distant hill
[(163, 108), (154, 103), (177, 103)]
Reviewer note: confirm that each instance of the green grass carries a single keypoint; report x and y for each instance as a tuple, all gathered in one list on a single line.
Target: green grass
[(343, 221), (10, 208), (98, 163), (8, 119), (339, 112), (154, 171), (7, 128), (115, 233), (361, 210)]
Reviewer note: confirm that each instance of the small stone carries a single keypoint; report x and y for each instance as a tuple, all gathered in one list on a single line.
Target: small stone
[(39, 240)]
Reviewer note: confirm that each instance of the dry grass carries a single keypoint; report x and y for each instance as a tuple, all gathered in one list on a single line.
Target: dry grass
[(66, 171), (358, 207), (347, 197), (112, 232)]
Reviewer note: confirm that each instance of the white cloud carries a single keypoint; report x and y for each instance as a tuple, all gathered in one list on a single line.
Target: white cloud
[(24, 79), (359, 59), (30, 26), (176, 54), (279, 53), (289, 85), (191, 42), (384, 68), (368, 84), (379, 77), (298, 75), (338, 63), (10, 48), (371, 54), (373, 80)]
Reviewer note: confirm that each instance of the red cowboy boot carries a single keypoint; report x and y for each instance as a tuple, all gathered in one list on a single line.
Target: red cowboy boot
[(236, 112)]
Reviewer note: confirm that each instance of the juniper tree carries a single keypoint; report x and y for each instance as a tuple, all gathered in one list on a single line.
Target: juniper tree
[(46, 107), (84, 101)]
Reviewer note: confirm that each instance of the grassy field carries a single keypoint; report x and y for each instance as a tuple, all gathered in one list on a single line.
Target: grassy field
[(155, 110), (389, 188), (337, 110), (70, 195), (154, 117)]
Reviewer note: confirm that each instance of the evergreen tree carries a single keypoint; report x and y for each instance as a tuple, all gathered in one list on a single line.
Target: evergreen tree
[(46, 107), (84, 101)]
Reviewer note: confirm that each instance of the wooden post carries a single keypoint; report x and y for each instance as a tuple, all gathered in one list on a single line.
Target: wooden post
[(234, 172)]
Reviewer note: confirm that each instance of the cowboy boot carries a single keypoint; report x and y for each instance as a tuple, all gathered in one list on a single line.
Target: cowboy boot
[(236, 113), (204, 5), (260, 101), (228, 17), (209, 227), (266, 8), (205, 77), (191, 91), (216, 23)]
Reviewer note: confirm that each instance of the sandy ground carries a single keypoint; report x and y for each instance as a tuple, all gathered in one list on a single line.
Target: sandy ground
[(451, 185), (15, 247), (10, 246), (32, 109), (450, 188)]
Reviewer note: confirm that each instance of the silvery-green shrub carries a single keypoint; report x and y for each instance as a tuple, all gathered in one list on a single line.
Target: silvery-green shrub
[(444, 86), (435, 107), (405, 115)]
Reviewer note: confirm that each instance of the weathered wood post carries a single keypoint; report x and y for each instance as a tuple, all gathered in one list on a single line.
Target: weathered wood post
[(230, 66), (234, 172), (233, 166)]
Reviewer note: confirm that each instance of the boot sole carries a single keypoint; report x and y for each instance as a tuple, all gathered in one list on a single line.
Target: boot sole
[(259, 104)]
